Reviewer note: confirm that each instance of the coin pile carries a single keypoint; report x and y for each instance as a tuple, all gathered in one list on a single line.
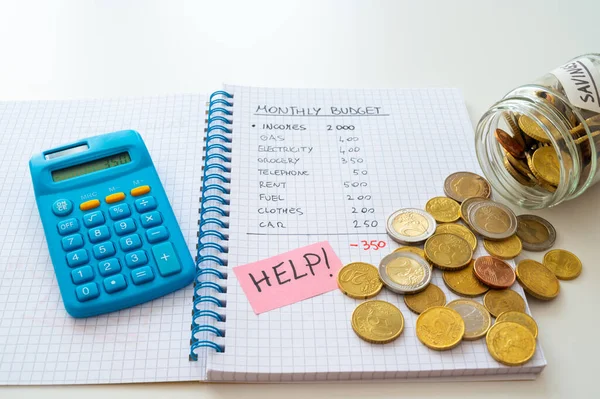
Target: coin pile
[(529, 155), (449, 246)]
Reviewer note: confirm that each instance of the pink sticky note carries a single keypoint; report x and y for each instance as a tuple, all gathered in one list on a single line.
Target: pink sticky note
[(290, 277)]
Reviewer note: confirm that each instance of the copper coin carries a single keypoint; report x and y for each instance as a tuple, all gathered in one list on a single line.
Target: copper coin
[(494, 272), (512, 146)]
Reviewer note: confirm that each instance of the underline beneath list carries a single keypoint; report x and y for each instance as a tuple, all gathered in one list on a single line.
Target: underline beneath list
[(319, 116), (314, 234)]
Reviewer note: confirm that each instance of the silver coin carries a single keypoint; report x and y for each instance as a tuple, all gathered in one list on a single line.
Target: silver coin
[(492, 220), (405, 272), (461, 185), (536, 233), (476, 317), (410, 226), (465, 205)]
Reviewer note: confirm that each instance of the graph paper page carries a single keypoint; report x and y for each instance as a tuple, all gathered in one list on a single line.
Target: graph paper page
[(39, 342), (315, 165)]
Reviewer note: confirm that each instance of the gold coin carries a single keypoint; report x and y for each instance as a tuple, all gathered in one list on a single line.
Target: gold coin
[(510, 343), (532, 129), (476, 317), (545, 165), (463, 282), (564, 264), (359, 280), (519, 165), (520, 318), (536, 233), (440, 328), (458, 230), (430, 296), (462, 185), (521, 179), (448, 251), (508, 248), (465, 205), (443, 209), (416, 251), (498, 301), (537, 280), (378, 322)]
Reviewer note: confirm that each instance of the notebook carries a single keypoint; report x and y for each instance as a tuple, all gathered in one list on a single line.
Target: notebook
[(250, 173)]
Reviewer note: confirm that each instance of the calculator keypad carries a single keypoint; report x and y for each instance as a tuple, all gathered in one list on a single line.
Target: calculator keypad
[(124, 219)]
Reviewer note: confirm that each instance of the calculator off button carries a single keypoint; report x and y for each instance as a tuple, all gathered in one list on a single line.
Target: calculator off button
[(62, 207), (86, 292), (91, 204), (68, 226)]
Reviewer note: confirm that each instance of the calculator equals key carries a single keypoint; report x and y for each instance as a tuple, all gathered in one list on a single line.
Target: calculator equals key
[(111, 232)]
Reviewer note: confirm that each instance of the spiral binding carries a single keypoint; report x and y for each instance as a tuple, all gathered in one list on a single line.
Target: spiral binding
[(209, 287)]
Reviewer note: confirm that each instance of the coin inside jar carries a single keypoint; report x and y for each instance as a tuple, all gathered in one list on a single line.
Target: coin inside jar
[(545, 165), (443, 209), (405, 272), (430, 296), (462, 185), (448, 251), (537, 280), (378, 322), (359, 280), (492, 220), (498, 301), (410, 226), (536, 233), (494, 272), (463, 282), (458, 230), (533, 129), (509, 144), (476, 317)]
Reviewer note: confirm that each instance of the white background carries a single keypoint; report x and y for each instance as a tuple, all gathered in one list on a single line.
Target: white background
[(82, 49)]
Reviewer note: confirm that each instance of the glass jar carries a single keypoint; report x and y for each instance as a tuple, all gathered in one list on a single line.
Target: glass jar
[(560, 111)]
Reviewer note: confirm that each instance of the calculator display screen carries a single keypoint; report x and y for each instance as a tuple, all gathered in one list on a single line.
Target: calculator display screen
[(91, 166)]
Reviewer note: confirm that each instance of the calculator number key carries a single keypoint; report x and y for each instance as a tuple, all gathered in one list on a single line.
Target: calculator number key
[(166, 259), (130, 242), (99, 234), (77, 258), (145, 204), (82, 274), (67, 226), (104, 250), (142, 275), (151, 219), (109, 267), (125, 226), (93, 219), (135, 259), (72, 242), (86, 292), (115, 283), (120, 211)]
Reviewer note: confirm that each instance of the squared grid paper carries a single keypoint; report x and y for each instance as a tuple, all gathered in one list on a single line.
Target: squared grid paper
[(39, 342), (408, 154)]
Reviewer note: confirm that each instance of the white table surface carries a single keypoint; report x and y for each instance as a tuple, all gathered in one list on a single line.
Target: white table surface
[(83, 49)]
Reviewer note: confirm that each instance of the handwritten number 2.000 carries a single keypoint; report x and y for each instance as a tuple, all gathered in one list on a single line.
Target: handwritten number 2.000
[(340, 127)]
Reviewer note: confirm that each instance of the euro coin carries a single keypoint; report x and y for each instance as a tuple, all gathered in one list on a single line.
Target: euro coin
[(510, 343), (430, 296), (545, 165), (463, 282), (440, 328), (464, 208), (508, 248), (536, 233), (359, 280), (443, 209), (518, 164), (410, 226), (414, 250), (462, 185), (537, 280), (494, 273), (520, 318), (378, 322), (476, 317), (498, 301), (492, 220), (564, 264), (533, 129), (405, 272), (510, 145), (458, 230), (447, 251), (520, 178)]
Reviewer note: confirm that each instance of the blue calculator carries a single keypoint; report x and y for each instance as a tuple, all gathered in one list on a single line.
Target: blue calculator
[(113, 237)]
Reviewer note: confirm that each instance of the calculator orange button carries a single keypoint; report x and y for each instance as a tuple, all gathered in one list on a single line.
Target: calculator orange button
[(140, 190), (91, 204), (116, 197)]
